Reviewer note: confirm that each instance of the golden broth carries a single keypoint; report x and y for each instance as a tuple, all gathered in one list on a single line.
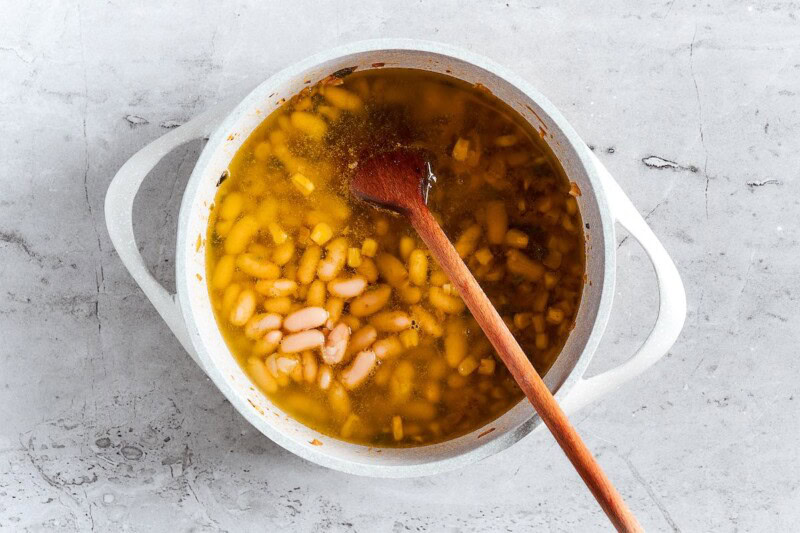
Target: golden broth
[(335, 308)]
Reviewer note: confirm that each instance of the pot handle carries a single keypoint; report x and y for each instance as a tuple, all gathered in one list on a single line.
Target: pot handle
[(119, 214), (671, 308)]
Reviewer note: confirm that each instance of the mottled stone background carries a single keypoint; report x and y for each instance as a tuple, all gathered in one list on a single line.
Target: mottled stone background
[(105, 423)]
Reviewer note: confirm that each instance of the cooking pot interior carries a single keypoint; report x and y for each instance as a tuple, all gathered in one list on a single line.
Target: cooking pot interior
[(222, 366)]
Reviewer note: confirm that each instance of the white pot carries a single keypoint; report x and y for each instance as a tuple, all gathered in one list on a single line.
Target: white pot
[(190, 316)]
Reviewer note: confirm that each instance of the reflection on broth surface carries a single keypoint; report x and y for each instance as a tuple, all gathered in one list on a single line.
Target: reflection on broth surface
[(335, 308)]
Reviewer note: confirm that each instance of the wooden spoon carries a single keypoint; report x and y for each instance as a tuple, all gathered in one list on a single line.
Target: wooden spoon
[(400, 181)]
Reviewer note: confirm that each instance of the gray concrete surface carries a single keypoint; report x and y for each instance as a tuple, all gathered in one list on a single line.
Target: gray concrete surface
[(106, 424)]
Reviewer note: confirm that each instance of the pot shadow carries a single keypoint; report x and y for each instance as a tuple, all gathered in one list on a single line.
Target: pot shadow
[(156, 208), (635, 307)]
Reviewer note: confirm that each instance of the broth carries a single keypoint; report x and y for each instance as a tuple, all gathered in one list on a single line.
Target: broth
[(335, 308)]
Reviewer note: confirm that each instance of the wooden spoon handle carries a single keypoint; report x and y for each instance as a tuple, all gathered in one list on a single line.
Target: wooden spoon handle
[(522, 369)]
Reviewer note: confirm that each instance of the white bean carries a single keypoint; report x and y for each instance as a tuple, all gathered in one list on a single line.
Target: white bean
[(272, 365), (427, 322), (468, 241), (273, 288), (368, 269), (257, 267), (244, 308), (418, 267), (305, 340), (351, 321), (309, 366), (324, 377), (392, 321), (445, 302), (456, 343), (223, 272), (231, 206), (358, 371), (388, 347), (240, 234), (496, 222), (268, 343), (371, 301), (339, 400), (286, 363), (316, 293), (347, 288), (335, 257), (281, 305), (308, 264), (283, 253), (408, 293), (334, 307), (306, 318), (391, 269), (259, 324), (397, 427), (362, 339), (258, 371), (336, 344)]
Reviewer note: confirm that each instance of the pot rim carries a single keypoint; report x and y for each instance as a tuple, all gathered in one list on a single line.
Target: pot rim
[(316, 454)]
